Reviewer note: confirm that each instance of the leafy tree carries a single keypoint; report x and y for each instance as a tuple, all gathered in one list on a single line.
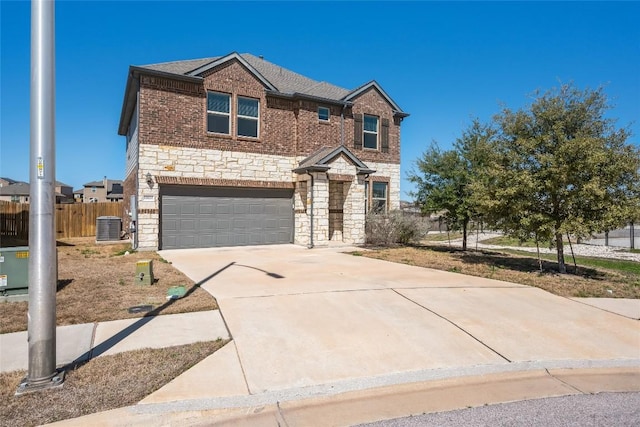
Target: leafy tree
[(561, 167), (443, 178)]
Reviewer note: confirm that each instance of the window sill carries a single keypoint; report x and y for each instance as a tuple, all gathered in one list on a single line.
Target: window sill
[(219, 135), (247, 139), (232, 138)]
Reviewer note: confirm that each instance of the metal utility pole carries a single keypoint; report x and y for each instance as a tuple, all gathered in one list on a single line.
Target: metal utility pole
[(43, 268)]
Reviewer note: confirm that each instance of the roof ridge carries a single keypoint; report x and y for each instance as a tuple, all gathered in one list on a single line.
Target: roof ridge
[(213, 58)]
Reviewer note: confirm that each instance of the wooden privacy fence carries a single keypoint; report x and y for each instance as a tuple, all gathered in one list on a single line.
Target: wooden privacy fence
[(72, 220)]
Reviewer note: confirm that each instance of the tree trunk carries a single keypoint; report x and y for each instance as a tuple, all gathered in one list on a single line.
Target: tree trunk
[(562, 268), (465, 223)]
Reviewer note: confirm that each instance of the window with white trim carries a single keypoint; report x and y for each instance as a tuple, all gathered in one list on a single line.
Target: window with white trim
[(379, 197), (218, 112), (248, 117), (323, 114), (370, 132)]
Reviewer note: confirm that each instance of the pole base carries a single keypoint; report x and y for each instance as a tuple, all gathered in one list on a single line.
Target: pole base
[(27, 386)]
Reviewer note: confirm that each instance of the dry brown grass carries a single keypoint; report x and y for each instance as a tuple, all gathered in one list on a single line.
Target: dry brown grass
[(104, 383), (588, 282), (95, 284)]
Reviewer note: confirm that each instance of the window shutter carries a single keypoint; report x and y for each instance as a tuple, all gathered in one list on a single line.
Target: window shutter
[(357, 131), (384, 137)]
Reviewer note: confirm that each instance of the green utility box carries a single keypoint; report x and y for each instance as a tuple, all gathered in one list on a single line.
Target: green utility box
[(14, 270), (144, 272)]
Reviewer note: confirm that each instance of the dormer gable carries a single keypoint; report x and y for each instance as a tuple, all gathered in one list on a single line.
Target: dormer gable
[(198, 72), (397, 111), (321, 160)]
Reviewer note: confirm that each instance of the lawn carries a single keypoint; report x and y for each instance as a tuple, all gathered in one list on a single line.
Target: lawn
[(510, 241), (595, 277), (96, 283), (441, 237), (101, 384)]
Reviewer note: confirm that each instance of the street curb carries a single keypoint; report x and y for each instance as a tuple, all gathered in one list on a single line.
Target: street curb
[(387, 402)]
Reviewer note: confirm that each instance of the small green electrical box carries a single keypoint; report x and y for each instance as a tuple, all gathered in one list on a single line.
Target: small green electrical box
[(144, 272), (14, 270)]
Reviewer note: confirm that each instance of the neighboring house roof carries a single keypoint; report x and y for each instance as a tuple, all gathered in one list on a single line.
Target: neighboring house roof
[(319, 161), (79, 191), (10, 181), (277, 80), (17, 189), (61, 184)]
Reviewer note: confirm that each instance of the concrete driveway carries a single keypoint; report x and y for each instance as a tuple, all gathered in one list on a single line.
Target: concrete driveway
[(320, 318)]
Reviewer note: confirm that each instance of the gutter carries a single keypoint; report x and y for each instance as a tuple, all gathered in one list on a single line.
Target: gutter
[(298, 95), (312, 168), (342, 125)]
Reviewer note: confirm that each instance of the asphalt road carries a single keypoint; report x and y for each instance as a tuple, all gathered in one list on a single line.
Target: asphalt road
[(584, 410)]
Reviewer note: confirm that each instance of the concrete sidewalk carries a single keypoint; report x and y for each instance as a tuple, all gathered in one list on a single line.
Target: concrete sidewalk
[(80, 342)]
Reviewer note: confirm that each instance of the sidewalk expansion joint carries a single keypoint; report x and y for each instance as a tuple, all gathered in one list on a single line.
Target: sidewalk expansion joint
[(564, 382), (93, 340), (281, 417), (244, 374), (454, 324), (293, 294)]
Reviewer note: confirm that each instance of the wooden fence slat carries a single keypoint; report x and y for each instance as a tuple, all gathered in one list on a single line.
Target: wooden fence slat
[(72, 220)]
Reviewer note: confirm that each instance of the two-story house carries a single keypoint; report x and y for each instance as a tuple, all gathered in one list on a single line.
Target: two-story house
[(235, 150), (105, 190)]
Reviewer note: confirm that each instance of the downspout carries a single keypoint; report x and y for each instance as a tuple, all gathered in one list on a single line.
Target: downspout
[(342, 124), (134, 244), (311, 215)]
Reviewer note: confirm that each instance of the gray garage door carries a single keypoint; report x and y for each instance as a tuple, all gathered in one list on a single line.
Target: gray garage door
[(197, 217)]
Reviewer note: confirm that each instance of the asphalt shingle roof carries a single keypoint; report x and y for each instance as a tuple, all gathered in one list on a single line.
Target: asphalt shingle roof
[(18, 189), (286, 81)]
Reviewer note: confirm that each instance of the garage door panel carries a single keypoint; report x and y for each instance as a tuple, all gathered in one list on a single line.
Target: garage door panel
[(206, 225), (170, 224), (240, 209), (189, 208), (187, 241), (206, 240), (223, 225), (223, 208), (187, 224), (210, 217), (206, 208)]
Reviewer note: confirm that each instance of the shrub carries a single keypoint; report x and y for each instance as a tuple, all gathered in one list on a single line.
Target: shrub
[(385, 229)]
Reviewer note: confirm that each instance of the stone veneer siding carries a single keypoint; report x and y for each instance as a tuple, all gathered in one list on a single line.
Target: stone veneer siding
[(184, 163), (168, 164)]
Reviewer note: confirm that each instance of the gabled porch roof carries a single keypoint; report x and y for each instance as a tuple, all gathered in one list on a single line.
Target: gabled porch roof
[(320, 160)]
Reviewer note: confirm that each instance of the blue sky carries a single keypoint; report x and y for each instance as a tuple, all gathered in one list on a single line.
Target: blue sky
[(442, 62)]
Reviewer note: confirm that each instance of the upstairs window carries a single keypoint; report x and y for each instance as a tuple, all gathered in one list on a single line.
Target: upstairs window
[(218, 112), (370, 132), (323, 114), (248, 117)]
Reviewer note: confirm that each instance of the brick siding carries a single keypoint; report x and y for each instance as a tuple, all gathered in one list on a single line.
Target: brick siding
[(173, 113)]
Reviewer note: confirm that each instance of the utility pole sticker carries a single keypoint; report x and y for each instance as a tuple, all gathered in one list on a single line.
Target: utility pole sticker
[(40, 168)]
